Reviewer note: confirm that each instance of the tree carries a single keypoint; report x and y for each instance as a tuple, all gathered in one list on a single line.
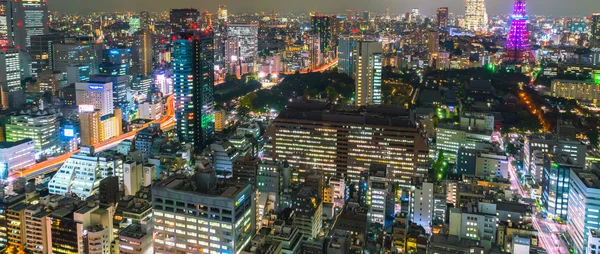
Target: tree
[(332, 93), (593, 137)]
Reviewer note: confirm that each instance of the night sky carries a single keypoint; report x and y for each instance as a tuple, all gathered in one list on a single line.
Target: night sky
[(542, 7)]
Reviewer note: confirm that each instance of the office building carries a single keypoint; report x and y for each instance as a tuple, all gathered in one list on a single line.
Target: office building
[(194, 87), (222, 13), (41, 126), (368, 68), (16, 155), (593, 241), (378, 188), (35, 20), (555, 184), (62, 232), (345, 54), (584, 209), (15, 218), (145, 21), (116, 61), (10, 72), (308, 211), (474, 222), (585, 91), (94, 228), (595, 56), (135, 240), (219, 218), (78, 73), (183, 20), (421, 205), (151, 109), (142, 53), (42, 52), (442, 22), (132, 177), (450, 139), (82, 172), (247, 37), (145, 138), (325, 27), (77, 54), (476, 18), (337, 140), (51, 81), (97, 95), (549, 144), (595, 31), (36, 232), (119, 90)]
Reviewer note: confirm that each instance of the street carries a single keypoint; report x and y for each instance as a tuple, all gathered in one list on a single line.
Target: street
[(548, 231)]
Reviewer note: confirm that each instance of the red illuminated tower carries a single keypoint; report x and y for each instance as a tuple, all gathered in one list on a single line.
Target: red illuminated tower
[(517, 49)]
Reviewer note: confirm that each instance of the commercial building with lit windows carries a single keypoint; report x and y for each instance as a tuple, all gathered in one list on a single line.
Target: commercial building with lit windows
[(193, 82), (555, 184), (584, 209), (368, 68), (585, 91), (346, 140), (41, 126), (197, 215)]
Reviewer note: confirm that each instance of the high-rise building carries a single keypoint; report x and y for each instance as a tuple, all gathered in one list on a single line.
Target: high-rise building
[(218, 218), (10, 76), (421, 205), (119, 90), (595, 30), (99, 120), (41, 126), (193, 67), (42, 52), (247, 37), (517, 48), (378, 189), (584, 207), (145, 21), (116, 61), (345, 54), (77, 53), (368, 65), (476, 18), (97, 95), (142, 53), (222, 13), (16, 155), (325, 27), (442, 22), (338, 141), (5, 23), (183, 20), (36, 18), (555, 184), (78, 73)]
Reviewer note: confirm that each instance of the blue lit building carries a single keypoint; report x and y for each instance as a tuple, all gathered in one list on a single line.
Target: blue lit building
[(193, 82), (345, 55), (555, 184), (116, 61)]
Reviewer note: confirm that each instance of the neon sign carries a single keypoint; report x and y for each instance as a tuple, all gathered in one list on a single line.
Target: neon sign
[(96, 87)]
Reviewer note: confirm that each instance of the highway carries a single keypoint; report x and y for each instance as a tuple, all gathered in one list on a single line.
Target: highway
[(548, 233), (46, 166), (166, 122)]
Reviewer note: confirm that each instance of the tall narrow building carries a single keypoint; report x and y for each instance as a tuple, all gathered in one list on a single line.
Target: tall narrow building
[(595, 38), (476, 18), (367, 69), (36, 21), (142, 53), (442, 22), (345, 54), (193, 67)]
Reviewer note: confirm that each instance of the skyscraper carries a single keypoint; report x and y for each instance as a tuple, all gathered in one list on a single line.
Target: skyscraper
[(517, 48), (119, 88), (116, 61), (222, 13), (476, 18), (368, 68), (145, 21), (142, 53), (36, 20), (77, 53), (345, 55), (595, 38), (42, 52), (99, 119), (247, 34), (193, 66), (442, 22), (182, 20), (324, 27)]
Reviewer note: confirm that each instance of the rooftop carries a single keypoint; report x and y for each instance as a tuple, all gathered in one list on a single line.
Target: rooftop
[(184, 183), (133, 231), (590, 178), (369, 115), (4, 145)]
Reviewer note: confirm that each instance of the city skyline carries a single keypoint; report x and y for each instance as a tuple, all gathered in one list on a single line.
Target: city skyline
[(538, 7)]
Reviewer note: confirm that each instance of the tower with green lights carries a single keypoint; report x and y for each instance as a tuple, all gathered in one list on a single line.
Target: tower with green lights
[(193, 82)]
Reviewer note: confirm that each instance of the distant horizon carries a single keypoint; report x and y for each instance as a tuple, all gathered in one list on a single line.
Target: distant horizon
[(558, 8)]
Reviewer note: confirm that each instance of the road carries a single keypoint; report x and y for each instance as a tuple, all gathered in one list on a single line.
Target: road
[(548, 231), (166, 122)]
